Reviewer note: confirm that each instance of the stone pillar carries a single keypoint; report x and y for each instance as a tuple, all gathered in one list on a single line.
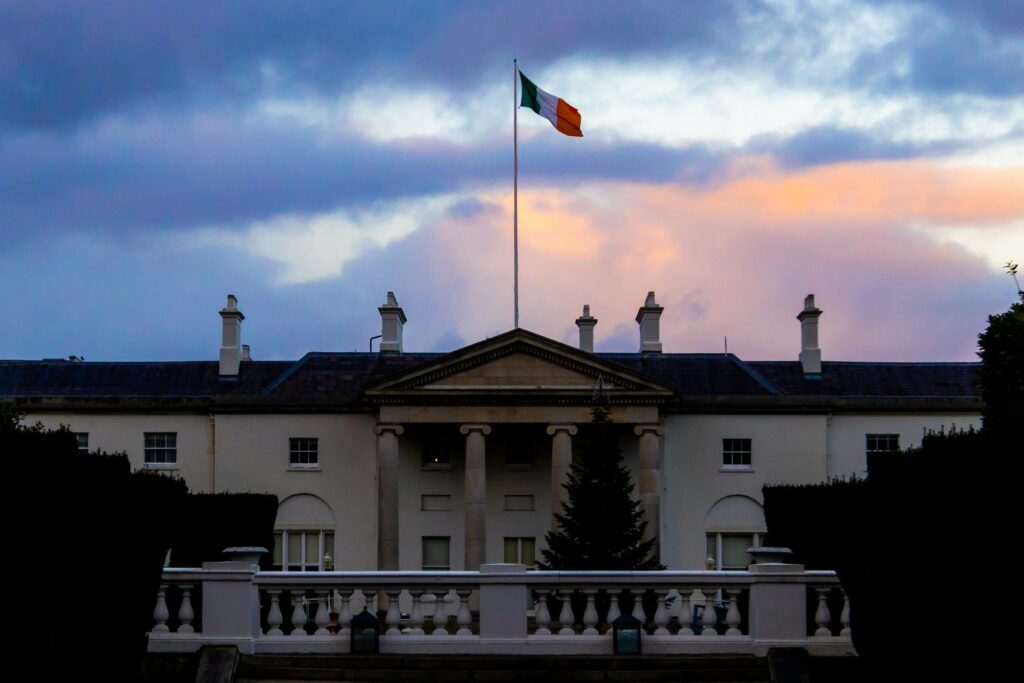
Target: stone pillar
[(649, 478), (476, 495), (561, 458), (387, 495)]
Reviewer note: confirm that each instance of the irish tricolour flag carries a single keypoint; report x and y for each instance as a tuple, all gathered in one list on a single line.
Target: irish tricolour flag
[(560, 113)]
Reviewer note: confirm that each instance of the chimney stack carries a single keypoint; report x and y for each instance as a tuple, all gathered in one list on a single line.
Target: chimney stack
[(392, 318), (810, 354), (231, 338), (246, 353), (648, 316), (586, 323)]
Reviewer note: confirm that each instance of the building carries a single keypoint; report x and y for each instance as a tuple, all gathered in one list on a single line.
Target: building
[(397, 460)]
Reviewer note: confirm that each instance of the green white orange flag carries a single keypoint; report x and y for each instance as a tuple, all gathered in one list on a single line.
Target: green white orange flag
[(562, 115)]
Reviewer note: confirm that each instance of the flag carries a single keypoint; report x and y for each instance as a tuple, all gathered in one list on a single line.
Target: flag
[(562, 115)]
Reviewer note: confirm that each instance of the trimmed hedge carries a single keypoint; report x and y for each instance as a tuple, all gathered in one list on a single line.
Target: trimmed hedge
[(211, 522)]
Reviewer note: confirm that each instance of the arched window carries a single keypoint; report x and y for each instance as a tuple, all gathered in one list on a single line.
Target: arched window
[(733, 524), (303, 534)]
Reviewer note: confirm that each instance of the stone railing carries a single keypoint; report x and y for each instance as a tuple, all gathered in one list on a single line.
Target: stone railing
[(503, 609)]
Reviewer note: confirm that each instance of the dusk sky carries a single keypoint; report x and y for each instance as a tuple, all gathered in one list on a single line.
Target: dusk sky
[(308, 157)]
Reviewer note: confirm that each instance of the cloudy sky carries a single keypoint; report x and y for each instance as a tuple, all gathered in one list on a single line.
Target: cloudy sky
[(308, 157)]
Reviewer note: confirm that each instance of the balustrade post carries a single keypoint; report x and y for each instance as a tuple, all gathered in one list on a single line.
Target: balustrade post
[(590, 613), (565, 615), (299, 616), (465, 617), (542, 617), (345, 613), (440, 616), (160, 613), (231, 604), (323, 613), (844, 616), (416, 615), (777, 613), (638, 605), (733, 617), (274, 617), (661, 613), (686, 613), (394, 617), (710, 617), (185, 613), (822, 617)]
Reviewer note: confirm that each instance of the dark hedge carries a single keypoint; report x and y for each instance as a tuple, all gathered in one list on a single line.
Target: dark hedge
[(211, 522)]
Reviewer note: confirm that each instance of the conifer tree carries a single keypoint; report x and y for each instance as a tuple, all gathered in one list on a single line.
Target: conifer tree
[(602, 526)]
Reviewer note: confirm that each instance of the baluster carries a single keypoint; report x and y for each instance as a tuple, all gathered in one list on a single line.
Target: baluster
[(465, 617), (590, 613), (274, 616), (543, 617), (613, 607), (686, 615), (822, 617), (661, 613), (733, 617), (416, 616), (565, 616), (160, 613), (710, 617), (345, 612), (185, 612), (299, 617), (323, 613), (844, 616), (394, 617), (440, 616), (638, 606)]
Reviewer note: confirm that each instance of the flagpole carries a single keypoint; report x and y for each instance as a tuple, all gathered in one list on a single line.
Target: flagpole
[(515, 189)]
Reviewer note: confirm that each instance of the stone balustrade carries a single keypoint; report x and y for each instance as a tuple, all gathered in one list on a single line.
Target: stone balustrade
[(503, 609)]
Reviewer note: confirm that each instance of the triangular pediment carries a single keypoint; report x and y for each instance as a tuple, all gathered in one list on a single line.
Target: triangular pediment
[(518, 363)]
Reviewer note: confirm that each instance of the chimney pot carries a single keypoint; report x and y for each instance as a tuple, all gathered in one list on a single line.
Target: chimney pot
[(392, 320), (586, 323), (649, 317), (810, 354)]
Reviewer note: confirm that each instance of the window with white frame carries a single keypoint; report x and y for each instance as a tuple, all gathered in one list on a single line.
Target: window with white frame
[(82, 439), (303, 453), (437, 553), (736, 454), (302, 550), (521, 550), (161, 449), (882, 443), (519, 453), (729, 550)]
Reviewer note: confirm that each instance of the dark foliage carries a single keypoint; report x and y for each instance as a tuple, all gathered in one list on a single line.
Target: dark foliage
[(209, 523), (1002, 372), (602, 526)]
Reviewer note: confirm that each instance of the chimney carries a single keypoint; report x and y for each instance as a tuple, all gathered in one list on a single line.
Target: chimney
[(586, 323), (648, 317), (810, 354), (231, 338), (246, 353), (392, 318)]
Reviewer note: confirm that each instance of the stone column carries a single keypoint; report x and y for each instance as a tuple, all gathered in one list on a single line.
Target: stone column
[(476, 495), (649, 478), (387, 495), (561, 458)]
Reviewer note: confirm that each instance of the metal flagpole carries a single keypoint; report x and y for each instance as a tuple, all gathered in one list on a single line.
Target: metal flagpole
[(515, 187)]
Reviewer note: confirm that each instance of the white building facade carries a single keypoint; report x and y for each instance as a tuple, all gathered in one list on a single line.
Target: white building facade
[(396, 460)]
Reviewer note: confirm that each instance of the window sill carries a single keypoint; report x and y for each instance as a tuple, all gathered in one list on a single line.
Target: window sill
[(736, 468), (522, 467), (160, 466), (303, 468), (436, 468)]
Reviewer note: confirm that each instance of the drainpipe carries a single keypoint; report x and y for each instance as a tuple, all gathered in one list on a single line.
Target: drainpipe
[(212, 452), (828, 446)]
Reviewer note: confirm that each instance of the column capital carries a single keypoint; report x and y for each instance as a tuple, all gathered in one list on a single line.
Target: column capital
[(568, 427), (640, 430), (397, 429), (482, 428)]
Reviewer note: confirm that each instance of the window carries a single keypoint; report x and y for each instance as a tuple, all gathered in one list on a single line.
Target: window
[(518, 454), (436, 455), (729, 551), (303, 453), (435, 503), (882, 443), (736, 454), (83, 441), (161, 449), (302, 550), (519, 503), (521, 550), (437, 553)]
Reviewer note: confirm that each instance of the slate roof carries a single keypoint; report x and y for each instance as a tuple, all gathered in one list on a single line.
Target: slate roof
[(341, 378)]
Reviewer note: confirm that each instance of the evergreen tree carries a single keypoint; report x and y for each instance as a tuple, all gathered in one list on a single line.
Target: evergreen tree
[(601, 527)]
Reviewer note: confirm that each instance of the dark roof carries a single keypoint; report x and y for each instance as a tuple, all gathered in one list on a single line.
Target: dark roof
[(340, 378)]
